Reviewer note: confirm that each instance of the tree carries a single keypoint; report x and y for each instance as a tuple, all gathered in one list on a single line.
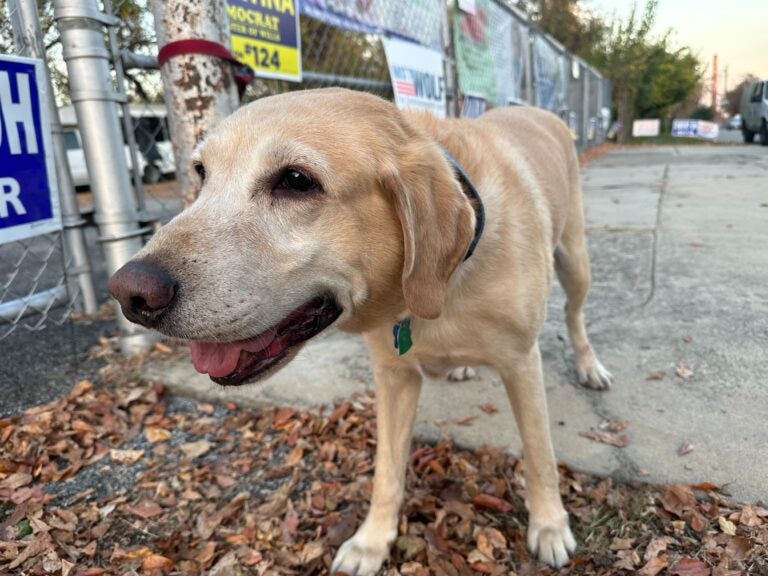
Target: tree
[(703, 113), (733, 97), (135, 33), (669, 77), (577, 28), (650, 77), (623, 59)]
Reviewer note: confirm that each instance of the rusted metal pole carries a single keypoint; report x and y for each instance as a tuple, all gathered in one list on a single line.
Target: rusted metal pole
[(200, 90)]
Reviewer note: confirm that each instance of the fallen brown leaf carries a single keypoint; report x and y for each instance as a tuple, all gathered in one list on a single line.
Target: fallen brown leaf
[(492, 502), (195, 449), (488, 408), (689, 567), (145, 508), (727, 526), (466, 420), (653, 566), (156, 562), (126, 456), (678, 499), (738, 548), (749, 517), (618, 440), (705, 486), (155, 434), (683, 371), (614, 425), (622, 544), (656, 547)]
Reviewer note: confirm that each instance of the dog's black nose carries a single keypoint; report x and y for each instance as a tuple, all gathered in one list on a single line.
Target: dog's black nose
[(144, 290)]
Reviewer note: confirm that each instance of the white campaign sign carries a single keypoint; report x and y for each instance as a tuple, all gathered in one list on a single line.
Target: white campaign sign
[(29, 198), (646, 128), (418, 78)]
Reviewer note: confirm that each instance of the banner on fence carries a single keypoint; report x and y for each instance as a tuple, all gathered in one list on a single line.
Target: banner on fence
[(29, 198), (473, 106), (418, 20), (550, 70), (694, 128), (418, 77), (266, 36), (491, 50), (646, 128)]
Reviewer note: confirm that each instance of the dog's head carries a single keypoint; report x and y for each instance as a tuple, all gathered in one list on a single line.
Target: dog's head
[(316, 207)]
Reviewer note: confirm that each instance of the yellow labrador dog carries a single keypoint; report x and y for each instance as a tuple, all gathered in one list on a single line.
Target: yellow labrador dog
[(331, 207)]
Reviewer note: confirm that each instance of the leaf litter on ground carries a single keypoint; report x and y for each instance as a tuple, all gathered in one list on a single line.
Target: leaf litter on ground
[(221, 490)]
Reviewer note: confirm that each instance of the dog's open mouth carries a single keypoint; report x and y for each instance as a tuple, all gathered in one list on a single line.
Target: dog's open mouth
[(233, 363)]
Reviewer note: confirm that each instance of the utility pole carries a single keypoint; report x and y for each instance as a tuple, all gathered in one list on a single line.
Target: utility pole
[(714, 85), (200, 89)]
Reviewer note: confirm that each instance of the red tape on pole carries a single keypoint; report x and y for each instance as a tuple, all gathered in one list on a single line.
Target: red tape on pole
[(243, 73)]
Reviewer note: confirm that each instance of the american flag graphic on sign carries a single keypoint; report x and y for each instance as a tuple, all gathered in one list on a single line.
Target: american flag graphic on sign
[(405, 87), (417, 74)]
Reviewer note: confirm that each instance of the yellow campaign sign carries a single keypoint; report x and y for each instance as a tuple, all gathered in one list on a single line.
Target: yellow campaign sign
[(265, 35)]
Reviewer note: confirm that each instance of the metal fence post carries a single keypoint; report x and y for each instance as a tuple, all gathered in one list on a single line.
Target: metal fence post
[(29, 41), (81, 26), (200, 90), (449, 52), (585, 108)]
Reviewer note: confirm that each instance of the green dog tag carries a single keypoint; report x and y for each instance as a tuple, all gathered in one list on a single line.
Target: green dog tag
[(402, 333)]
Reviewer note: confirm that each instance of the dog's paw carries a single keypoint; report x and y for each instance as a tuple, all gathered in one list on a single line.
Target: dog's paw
[(552, 542), (361, 555), (461, 373), (592, 374)]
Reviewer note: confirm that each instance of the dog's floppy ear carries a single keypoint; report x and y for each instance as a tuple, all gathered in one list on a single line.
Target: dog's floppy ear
[(437, 222)]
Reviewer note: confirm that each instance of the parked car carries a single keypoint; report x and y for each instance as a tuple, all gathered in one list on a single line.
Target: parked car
[(150, 131), (754, 112), (76, 157), (734, 123)]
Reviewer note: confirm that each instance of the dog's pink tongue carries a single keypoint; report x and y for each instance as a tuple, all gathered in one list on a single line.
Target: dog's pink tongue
[(215, 359)]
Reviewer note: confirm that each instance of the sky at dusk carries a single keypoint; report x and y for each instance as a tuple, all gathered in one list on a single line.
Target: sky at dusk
[(735, 30)]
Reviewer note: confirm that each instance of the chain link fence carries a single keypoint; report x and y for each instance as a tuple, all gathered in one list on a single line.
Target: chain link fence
[(46, 276)]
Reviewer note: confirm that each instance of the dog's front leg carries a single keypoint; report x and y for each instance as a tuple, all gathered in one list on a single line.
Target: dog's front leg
[(397, 396), (549, 535)]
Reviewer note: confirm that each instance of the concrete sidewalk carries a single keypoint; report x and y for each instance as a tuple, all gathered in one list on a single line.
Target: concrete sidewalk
[(679, 245)]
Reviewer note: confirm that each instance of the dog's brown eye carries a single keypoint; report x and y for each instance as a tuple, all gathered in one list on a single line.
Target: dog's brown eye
[(200, 169), (295, 181)]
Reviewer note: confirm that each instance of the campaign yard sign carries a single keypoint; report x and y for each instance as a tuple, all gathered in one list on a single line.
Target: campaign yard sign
[(418, 78), (646, 128), (265, 35), (29, 198), (689, 128)]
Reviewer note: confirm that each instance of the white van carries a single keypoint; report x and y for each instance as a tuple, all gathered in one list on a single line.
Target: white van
[(754, 112), (150, 130)]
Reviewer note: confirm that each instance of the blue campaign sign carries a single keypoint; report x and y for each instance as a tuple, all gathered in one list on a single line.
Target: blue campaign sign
[(686, 127), (29, 199)]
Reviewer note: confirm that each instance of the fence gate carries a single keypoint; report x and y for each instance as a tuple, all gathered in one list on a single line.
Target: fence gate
[(44, 266)]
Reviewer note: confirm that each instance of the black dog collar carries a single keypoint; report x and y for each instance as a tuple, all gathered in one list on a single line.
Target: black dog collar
[(474, 197)]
